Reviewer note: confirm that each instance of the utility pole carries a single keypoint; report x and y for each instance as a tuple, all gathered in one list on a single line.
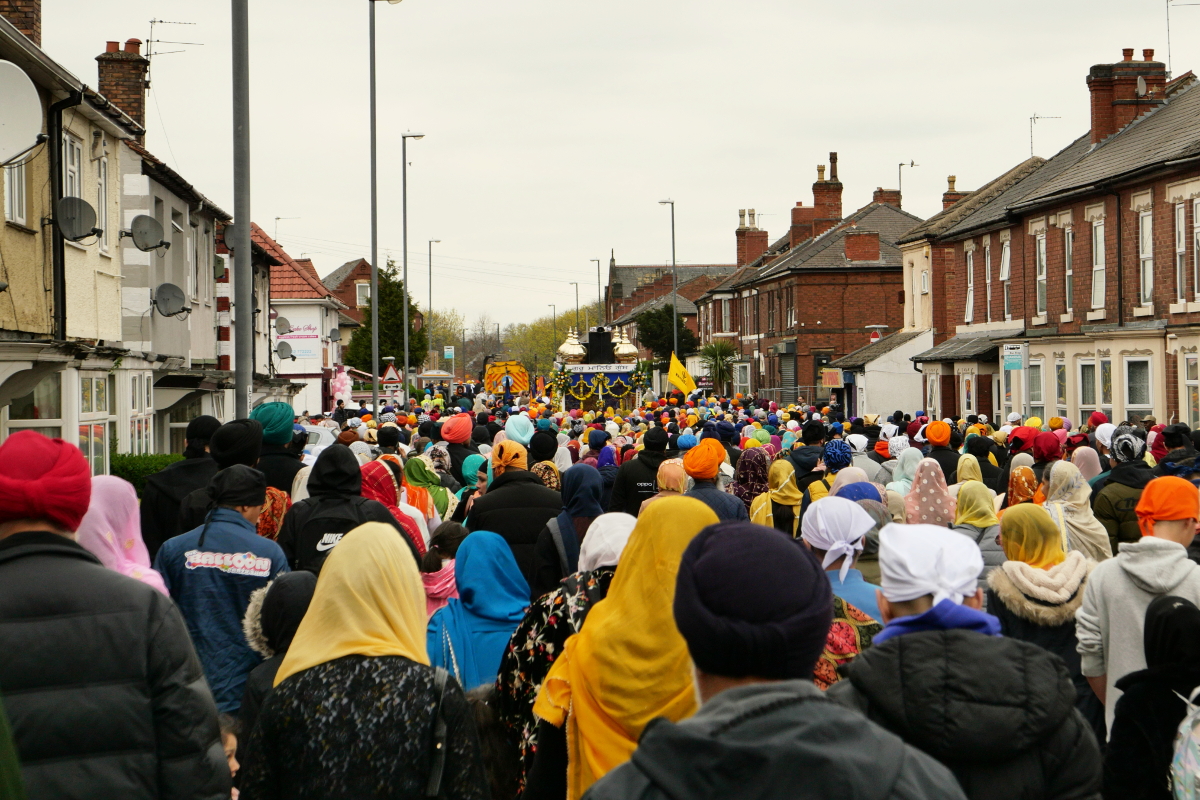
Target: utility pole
[(243, 275), (599, 293)]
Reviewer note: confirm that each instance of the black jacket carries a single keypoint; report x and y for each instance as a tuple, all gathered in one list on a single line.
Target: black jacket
[(516, 506), (771, 742), (100, 680), (280, 464), (165, 492), (947, 459), (458, 454), (1143, 731), (637, 481), (999, 712), (335, 506)]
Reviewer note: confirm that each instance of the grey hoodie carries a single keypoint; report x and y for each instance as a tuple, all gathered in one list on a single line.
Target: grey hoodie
[(771, 742), (1109, 624)]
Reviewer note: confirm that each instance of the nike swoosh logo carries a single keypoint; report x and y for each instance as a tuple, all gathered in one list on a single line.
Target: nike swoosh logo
[(322, 546)]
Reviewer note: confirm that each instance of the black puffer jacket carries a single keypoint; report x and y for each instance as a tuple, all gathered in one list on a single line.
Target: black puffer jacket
[(335, 506), (280, 464), (517, 506), (999, 712), (100, 680), (637, 481), (165, 492)]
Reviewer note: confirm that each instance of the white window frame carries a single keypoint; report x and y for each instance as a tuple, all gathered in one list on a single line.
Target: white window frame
[(1006, 277), (1039, 249), (1037, 405), (1129, 404), (72, 149), (102, 203), (969, 316), (16, 207), (1069, 267), (924, 281), (1145, 258), (194, 275), (1091, 404), (1191, 382), (725, 313), (1196, 248), (1181, 252), (362, 294), (987, 279), (1098, 269)]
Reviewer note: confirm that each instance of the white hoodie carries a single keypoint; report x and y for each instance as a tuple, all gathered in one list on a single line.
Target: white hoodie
[(1109, 625)]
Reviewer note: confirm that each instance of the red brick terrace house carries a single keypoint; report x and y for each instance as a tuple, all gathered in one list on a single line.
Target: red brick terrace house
[(687, 295), (794, 306), (1096, 267)]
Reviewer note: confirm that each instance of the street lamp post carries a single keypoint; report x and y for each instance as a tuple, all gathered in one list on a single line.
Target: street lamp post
[(576, 285), (554, 327), (243, 276), (430, 324), (674, 281), (404, 137), (599, 292)]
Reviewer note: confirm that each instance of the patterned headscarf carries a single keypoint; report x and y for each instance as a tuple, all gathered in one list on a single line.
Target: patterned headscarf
[(548, 473), (929, 501), (838, 455), (1127, 445), (750, 478), (1022, 485)]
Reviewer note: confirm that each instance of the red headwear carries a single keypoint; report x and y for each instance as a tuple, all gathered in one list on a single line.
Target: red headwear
[(457, 429), (45, 479)]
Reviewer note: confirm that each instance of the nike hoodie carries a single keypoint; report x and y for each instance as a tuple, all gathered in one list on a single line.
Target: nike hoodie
[(1110, 622)]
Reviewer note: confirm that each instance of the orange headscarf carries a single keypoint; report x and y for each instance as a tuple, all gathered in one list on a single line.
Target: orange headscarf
[(1167, 498), (704, 460), (938, 433), (508, 455)]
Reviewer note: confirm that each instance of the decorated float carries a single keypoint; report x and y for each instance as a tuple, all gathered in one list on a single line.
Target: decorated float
[(600, 373)]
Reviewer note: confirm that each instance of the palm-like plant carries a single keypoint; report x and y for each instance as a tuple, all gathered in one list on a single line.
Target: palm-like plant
[(718, 358)]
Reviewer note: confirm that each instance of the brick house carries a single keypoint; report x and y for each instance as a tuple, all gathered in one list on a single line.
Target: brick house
[(1096, 267), (798, 304), (351, 283)]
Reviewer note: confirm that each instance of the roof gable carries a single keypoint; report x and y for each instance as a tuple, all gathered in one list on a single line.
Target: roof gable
[(289, 280)]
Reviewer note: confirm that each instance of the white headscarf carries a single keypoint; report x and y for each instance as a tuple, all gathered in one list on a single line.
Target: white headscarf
[(837, 526), (562, 459), (857, 442), (1104, 433), (916, 560), (605, 539)]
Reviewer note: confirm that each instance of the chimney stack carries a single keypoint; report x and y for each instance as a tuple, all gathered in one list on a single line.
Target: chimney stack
[(1114, 91), (889, 196), (25, 16), (751, 242), (951, 195), (802, 224), (827, 198), (123, 79)]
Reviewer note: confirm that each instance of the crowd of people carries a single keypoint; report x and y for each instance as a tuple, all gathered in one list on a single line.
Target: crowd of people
[(478, 596)]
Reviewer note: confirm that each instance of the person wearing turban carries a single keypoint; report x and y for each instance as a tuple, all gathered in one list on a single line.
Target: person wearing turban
[(164, 491), (278, 460), (457, 431), (703, 465), (937, 433)]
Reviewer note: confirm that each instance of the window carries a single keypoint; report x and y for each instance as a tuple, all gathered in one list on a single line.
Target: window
[(364, 294), (1138, 394), (40, 410), (725, 315), (194, 255), (987, 279), (1196, 248), (1069, 267), (141, 421), (102, 203), (1060, 385), (72, 166), (1087, 387), (1191, 378), (97, 415), (1008, 390), (1145, 258), (1037, 405), (1005, 274), (1180, 252), (1098, 264), (771, 301), (970, 315), (14, 194), (925, 281), (1106, 386), (1040, 254), (177, 421)]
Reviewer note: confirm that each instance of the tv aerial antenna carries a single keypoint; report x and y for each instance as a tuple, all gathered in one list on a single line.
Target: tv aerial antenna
[(151, 51), (1036, 116)]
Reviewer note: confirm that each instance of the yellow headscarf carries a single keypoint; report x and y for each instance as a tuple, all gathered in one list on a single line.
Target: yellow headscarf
[(782, 489), (968, 469), (369, 602), (975, 505), (1029, 534), (629, 664)]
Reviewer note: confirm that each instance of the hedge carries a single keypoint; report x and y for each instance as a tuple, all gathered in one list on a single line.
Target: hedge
[(136, 468)]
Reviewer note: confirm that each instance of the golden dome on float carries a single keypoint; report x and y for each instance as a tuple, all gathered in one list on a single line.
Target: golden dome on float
[(571, 351), (624, 350)]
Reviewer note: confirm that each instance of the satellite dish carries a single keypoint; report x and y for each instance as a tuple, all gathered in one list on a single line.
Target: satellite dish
[(335, 335), (284, 350), (147, 233), (169, 299), (229, 237), (21, 122), (1141, 86), (282, 326), (76, 219)]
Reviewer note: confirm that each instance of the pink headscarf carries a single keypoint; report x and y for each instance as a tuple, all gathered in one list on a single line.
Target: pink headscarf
[(440, 587), (112, 531), (929, 501)]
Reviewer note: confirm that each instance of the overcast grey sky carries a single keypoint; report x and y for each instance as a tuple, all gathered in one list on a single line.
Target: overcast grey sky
[(554, 126)]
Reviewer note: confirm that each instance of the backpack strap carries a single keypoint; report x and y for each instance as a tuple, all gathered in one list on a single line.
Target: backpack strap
[(556, 535), (437, 763)]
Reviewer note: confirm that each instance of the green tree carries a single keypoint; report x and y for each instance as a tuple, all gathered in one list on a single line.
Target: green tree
[(654, 333), (391, 328), (718, 358)]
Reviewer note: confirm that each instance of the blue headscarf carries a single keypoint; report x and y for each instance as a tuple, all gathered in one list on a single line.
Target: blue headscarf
[(469, 635), (470, 472), (838, 455), (860, 491), (582, 489), (519, 429)]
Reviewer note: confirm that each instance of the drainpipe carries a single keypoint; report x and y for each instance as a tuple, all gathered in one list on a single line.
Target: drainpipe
[(1120, 263), (58, 244)]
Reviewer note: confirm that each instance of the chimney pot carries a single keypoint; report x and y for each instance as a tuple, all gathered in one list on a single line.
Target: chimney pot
[(820, 172), (741, 218), (112, 47), (123, 79), (750, 221), (1127, 53), (833, 167), (799, 204), (1148, 54), (134, 46), (950, 181)]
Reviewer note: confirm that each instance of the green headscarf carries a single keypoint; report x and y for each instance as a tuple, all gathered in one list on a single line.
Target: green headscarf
[(470, 472), (421, 475), (277, 420)]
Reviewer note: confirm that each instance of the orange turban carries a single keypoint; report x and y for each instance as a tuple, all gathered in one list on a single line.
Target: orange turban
[(508, 455), (1167, 498), (458, 428), (704, 460), (938, 433)]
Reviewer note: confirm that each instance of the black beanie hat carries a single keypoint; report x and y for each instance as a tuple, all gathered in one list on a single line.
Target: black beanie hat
[(387, 437), (238, 485), (751, 601), (237, 442), (655, 439)]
